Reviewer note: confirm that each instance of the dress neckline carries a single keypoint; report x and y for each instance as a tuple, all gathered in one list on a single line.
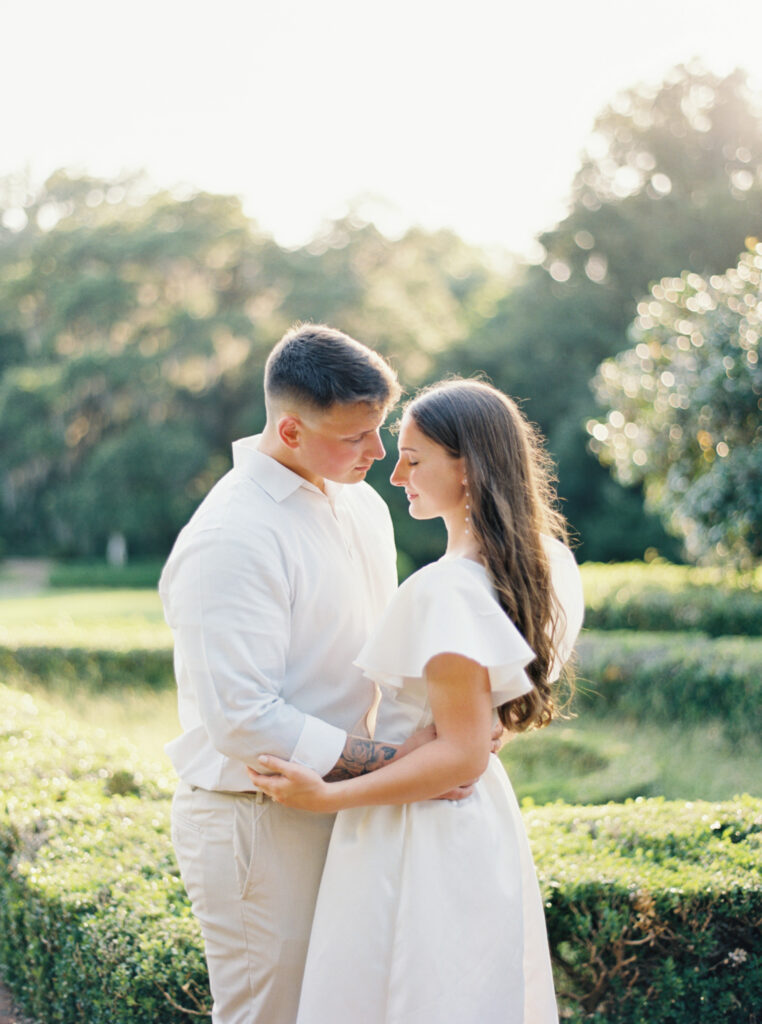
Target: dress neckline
[(461, 558)]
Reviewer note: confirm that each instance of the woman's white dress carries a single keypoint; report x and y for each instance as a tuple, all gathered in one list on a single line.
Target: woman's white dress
[(430, 913)]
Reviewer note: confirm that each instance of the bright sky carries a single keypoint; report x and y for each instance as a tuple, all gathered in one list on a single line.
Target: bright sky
[(469, 114)]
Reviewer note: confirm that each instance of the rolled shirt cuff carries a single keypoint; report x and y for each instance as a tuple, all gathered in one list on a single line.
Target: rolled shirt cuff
[(319, 746)]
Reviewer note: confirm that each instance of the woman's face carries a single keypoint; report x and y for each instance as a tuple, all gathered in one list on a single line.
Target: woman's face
[(432, 478)]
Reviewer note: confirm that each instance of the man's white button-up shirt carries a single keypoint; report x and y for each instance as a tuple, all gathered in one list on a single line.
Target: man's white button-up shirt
[(270, 591)]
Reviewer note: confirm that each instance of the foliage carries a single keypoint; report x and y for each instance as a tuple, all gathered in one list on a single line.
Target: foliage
[(653, 909), (88, 668), (136, 329), (92, 575), (660, 596), (646, 900), (594, 759), (671, 677), (671, 182), (94, 921), (686, 409)]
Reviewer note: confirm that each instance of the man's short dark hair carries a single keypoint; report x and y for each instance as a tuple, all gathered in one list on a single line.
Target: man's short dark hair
[(316, 365)]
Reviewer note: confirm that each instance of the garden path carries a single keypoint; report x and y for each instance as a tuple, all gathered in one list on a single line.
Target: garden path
[(8, 1012), (23, 576)]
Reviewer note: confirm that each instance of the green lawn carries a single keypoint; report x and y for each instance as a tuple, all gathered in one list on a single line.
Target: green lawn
[(106, 618), (145, 718), (586, 760), (594, 760)]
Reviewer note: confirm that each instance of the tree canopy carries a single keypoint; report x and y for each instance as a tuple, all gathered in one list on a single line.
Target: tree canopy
[(134, 333), (671, 181), (134, 323), (686, 409)]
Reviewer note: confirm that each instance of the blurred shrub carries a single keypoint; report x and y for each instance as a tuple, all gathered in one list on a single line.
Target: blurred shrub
[(80, 666), (671, 677), (73, 575), (665, 597), (652, 907), (558, 764)]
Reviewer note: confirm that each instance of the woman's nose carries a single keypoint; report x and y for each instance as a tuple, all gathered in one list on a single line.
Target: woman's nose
[(398, 477)]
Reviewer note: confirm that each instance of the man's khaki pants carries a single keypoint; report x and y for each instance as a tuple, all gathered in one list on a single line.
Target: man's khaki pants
[(252, 870)]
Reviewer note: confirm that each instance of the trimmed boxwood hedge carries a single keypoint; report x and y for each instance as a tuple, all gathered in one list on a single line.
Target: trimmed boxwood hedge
[(669, 677), (86, 667), (653, 908), (86, 575), (670, 597), (94, 922)]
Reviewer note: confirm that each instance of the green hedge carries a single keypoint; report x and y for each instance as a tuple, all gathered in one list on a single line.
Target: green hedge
[(81, 666), (670, 597), (73, 575), (653, 908), (670, 677), (94, 921)]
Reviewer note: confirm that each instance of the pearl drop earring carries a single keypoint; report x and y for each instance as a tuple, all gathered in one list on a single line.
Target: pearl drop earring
[(468, 506)]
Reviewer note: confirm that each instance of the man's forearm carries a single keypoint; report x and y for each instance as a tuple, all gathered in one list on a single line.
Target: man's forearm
[(359, 757)]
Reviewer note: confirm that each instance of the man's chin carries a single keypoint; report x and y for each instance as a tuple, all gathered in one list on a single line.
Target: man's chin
[(352, 476)]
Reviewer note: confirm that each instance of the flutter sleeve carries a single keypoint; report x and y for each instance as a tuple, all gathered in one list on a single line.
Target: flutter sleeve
[(448, 607), (570, 601)]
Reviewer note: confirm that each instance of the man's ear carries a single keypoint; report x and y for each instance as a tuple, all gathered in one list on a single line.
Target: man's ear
[(289, 430)]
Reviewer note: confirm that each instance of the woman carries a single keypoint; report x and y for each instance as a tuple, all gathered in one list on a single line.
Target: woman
[(429, 910)]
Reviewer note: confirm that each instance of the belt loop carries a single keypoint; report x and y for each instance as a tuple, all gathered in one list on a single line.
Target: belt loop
[(260, 797)]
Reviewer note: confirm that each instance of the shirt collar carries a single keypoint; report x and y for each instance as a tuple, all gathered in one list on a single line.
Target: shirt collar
[(272, 476)]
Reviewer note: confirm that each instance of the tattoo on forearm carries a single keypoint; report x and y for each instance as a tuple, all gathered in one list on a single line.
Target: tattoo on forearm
[(359, 757)]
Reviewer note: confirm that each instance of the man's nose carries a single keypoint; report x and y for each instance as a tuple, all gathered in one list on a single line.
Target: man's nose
[(377, 450)]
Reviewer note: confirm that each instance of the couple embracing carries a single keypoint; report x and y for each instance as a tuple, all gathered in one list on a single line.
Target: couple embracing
[(350, 844)]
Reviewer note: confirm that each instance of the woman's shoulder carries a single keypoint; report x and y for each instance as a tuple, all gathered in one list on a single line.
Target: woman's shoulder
[(448, 580), (447, 570), (447, 607), (557, 551)]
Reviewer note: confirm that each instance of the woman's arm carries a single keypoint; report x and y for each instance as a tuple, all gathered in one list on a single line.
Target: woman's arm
[(459, 695)]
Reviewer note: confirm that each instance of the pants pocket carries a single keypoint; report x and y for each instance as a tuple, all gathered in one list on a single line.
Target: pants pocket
[(248, 818)]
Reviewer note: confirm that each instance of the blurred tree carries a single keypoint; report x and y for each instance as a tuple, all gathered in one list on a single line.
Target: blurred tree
[(411, 299), (672, 181), (126, 309), (686, 410), (135, 327)]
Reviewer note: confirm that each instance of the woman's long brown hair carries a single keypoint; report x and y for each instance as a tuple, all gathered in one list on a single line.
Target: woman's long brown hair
[(512, 506)]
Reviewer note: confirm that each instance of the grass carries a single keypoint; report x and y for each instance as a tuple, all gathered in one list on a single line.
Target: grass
[(579, 761), (102, 618), (593, 760), (585, 760), (145, 718)]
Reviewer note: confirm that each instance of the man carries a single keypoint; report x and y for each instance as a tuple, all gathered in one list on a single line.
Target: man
[(271, 590)]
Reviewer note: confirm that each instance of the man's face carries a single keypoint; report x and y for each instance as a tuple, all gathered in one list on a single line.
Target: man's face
[(340, 443)]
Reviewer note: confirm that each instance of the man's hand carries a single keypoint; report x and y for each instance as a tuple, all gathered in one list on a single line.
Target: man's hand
[(500, 737)]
